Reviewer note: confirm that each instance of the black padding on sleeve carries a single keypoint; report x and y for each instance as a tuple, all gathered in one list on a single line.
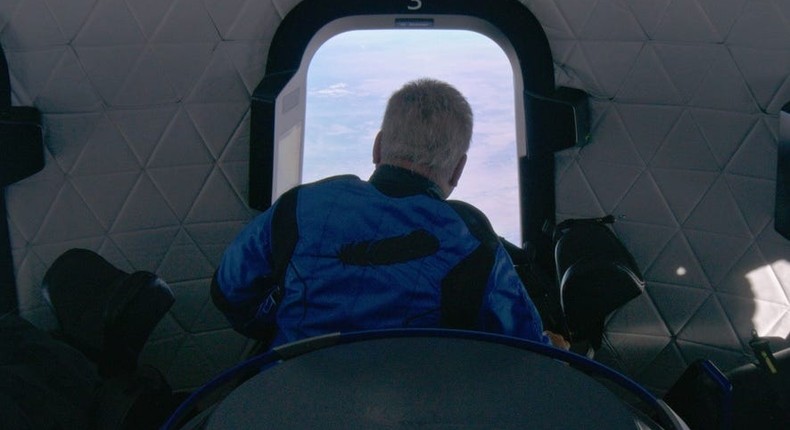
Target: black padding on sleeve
[(217, 297)]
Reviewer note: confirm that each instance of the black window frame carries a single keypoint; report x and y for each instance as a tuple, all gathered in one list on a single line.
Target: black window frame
[(554, 118)]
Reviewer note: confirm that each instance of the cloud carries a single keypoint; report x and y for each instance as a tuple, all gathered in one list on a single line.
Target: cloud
[(339, 130), (334, 90)]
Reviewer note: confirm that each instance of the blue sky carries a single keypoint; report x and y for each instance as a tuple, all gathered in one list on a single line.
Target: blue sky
[(353, 74)]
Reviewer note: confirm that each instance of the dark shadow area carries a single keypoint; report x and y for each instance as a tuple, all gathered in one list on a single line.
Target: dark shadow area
[(86, 375)]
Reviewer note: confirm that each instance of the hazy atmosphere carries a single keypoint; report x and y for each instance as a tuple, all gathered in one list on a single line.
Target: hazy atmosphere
[(353, 74)]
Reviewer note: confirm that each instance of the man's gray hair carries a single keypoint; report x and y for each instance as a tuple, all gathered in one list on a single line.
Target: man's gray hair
[(429, 123)]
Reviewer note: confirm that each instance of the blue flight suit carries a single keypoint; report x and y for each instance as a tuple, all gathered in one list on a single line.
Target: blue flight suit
[(344, 255)]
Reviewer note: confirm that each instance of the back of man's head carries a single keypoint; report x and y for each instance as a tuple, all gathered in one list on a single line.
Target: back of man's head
[(427, 123)]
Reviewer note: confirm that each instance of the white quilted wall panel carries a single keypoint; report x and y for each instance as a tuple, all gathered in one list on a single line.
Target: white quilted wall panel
[(146, 114), (685, 102)]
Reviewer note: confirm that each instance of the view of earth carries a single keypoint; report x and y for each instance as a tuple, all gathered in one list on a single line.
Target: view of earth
[(353, 74)]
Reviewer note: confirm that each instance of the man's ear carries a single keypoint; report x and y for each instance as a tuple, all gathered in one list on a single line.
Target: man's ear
[(377, 149), (459, 169)]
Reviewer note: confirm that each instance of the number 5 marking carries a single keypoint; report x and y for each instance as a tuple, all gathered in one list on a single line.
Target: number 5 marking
[(416, 5)]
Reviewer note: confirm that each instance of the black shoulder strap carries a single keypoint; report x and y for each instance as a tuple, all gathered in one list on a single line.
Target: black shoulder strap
[(284, 236), (463, 288), (285, 233)]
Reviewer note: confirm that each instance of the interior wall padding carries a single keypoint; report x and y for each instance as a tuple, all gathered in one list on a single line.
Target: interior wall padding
[(685, 102), (145, 108)]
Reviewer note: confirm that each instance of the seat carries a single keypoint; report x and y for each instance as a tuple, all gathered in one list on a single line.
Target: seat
[(104, 312), (596, 275), (419, 379)]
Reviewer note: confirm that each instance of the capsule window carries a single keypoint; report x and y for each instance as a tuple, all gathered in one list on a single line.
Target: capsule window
[(351, 77)]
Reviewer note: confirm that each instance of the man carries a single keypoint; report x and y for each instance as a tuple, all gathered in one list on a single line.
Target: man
[(344, 254)]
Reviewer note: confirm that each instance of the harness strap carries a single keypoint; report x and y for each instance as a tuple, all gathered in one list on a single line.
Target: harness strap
[(285, 233), (464, 286), (284, 236)]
